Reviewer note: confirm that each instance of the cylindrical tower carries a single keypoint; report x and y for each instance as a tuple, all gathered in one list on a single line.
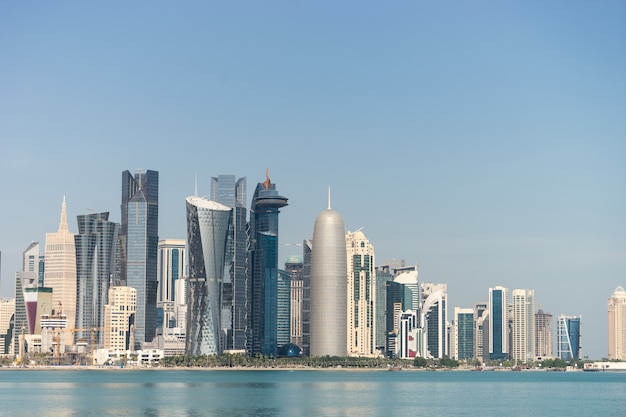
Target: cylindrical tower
[(329, 286)]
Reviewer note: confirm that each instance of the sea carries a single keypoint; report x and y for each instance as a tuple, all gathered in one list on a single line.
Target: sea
[(268, 393)]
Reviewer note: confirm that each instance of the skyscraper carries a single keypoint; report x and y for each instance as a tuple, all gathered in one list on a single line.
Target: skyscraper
[(139, 242), (361, 295), (97, 265), (481, 340), (543, 334), (283, 309), (329, 285), (26, 278), (464, 328), (7, 312), (617, 324), (307, 252), (172, 264), (523, 348), (119, 318), (264, 268), (434, 319), (60, 269), (498, 324), (232, 193), (294, 266), (383, 276), (207, 235), (568, 337)]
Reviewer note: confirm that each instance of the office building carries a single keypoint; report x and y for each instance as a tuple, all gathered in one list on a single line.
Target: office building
[(361, 295), (407, 340), (498, 324), (481, 332), (523, 334), (119, 317), (38, 301), (231, 192), (543, 335), (383, 276), (171, 265), (283, 309), (97, 267), (60, 268), (464, 333), (139, 238), (294, 267), (28, 277), (329, 285), (7, 311), (307, 252), (207, 235), (569, 336), (434, 320), (617, 325)]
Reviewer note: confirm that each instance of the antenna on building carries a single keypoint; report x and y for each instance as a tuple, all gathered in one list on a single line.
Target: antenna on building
[(195, 190), (329, 197)]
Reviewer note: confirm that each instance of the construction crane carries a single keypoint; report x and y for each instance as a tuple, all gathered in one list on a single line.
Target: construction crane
[(93, 337)]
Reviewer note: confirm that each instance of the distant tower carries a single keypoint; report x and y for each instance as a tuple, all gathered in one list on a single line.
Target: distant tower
[(617, 325), (361, 290), (60, 269), (329, 285), (207, 234), (543, 334), (26, 278), (264, 268), (568, 337), (434, 319), (139, 243), (119, 318), (307, 251), (464, 334), (283, 309), (498, 324), (523, 348), (97, 264), (294, 267)]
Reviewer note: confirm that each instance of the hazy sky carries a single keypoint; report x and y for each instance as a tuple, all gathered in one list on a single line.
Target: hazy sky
[(485, 140)]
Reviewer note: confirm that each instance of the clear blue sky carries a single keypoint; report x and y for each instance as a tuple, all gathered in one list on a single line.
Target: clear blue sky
[(484, 139)]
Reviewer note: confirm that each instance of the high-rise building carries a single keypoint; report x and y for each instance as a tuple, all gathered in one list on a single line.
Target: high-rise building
[(464, 327), (498, 324), (7, 312), (402, 295), (172, 264), (60, 268), (523, 348), (361, 295), (481, 332), (294, 266), (139, 242), (434, 320), (38, 301), (329, 285), (307, 252), (543, 334), (568, 337), (231, 192), (617, 325), (207, 235), (119, 317), (263, 254), (97, 266), (383, 276), (283, 309), (26, 278)]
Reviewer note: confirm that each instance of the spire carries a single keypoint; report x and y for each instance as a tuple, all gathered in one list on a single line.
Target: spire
[(329, 197), (195, 193), (63, 222)]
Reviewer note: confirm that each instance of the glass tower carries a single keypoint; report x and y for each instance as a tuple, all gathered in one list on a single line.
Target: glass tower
[(264, 267), (568, 337), (139, 242), (283, 310), (498, 323), (464, 327)]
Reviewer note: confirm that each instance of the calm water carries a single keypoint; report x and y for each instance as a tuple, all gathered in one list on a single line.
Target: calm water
[(310, 393)]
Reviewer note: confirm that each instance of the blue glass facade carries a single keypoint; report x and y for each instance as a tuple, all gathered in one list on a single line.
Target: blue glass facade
[(498, 335), (264, 267), (139, 242), (284, 308), (569, 337), (465, 335)]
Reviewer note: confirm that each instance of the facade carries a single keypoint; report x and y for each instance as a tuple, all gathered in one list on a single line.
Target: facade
[(139, 239), (401, 295), (434, 320), (231, 192), (464, 333), (263, 258), (408, 328), (383, 276), (307, 252), (361, 291), (171, 265), (481, 331), (7, 311), (283, 310), (569, 336), (498, 324), (523, 347), (119, 317), (38, 301), (28, 277), (207, 236), (97, 265), (60, 268), (617, 325), (294, 267), (543, 334), (328, 285)]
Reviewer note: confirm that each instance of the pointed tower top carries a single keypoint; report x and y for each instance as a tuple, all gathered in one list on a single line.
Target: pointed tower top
[(195, 190), (267, 182), (329, 197), (63, 222)]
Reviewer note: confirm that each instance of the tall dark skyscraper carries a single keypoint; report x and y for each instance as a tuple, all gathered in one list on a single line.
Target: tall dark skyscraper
[(139, 242), (97, 264), (264, 267), (232, 193)]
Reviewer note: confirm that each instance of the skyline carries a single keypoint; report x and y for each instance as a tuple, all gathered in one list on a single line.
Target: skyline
[(485, 142)]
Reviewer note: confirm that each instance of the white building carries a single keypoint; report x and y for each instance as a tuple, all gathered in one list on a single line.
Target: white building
[(119, 317), (617, 325), (523, 348), (434, 320), (7, 310)]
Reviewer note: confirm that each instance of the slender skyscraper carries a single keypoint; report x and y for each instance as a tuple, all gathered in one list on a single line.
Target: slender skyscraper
[(329, 285), (568, 337), (264, 266), (361, 295), (26, 278), (543, 334), (523, 348), (617, 325), (97, 265), (207, 235), (140, 239), (60, 269), (434, 319), (294, 266), (464, 333), (498, 324)]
